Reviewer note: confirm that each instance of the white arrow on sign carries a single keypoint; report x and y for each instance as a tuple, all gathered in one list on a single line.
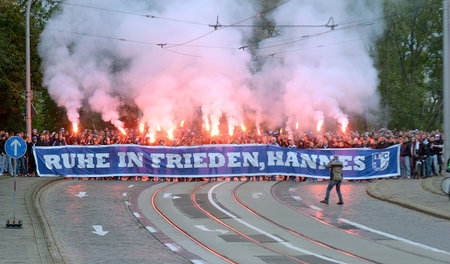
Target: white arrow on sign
[(204, 228), (99, 230), (81, 194), (15, 144), (256, 195), (170, 196)]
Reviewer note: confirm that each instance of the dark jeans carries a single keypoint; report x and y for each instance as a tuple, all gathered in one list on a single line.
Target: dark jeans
[(338, 189)]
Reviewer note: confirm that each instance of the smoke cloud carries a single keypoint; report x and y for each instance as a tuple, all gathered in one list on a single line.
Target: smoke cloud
[(164, 56)]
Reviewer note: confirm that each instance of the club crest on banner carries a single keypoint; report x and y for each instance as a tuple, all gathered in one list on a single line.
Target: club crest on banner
[(380, 161)]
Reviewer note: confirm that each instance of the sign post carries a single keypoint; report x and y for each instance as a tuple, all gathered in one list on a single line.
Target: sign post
[(15, 147)]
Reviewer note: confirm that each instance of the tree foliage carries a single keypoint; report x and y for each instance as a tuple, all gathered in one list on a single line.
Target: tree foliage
[(12, 68), (409, 59)]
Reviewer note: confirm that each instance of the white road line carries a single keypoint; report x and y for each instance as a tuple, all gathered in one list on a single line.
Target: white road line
[(286, 244), (297, 198), (151, 229), (315, 207), (197, 261), (127, 203), (137, 215), (172, 247), (131, 185), (124, 194), (393, 236)]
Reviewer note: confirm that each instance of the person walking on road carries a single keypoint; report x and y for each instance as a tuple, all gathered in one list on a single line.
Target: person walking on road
[(336, 179)]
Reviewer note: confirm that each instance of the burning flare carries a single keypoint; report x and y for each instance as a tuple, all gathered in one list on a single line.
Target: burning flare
[(122, 131), (296, 125), (141, 128), (259, 132), (319, 125), (182, 123), (243, 128), (151, 136), (75, 127), (170, 133), (344, 124)]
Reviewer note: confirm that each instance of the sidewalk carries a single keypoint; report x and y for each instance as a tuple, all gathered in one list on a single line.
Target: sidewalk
[(26, 245), (424, 195)]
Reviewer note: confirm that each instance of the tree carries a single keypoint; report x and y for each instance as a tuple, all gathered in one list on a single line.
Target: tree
[(409, 59), (12, 68)]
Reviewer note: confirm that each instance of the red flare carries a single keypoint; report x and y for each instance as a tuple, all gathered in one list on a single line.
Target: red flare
[(243, 128), (319, 125), (182, 123), (75, 127), (123, 131), (141, 128)]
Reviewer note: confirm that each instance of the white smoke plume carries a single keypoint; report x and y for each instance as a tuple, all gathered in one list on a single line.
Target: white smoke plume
[(321, 72), (101, 53)]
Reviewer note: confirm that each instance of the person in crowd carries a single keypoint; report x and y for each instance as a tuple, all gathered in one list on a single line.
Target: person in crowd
[(439, 146), (405, 158), (336, 177), (416, 166)]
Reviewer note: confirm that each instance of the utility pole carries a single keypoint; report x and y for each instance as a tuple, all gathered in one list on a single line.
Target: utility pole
[(446, 22), (28, 74)]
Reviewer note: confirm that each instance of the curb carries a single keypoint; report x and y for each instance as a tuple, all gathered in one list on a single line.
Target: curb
[(374, 193), (427, 184), (47, 246)]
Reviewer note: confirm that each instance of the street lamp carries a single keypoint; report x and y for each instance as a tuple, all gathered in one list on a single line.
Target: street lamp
[(28, 73), (446, 22)]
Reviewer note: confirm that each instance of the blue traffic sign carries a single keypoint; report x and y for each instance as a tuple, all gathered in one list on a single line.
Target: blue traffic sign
[(15, 147)]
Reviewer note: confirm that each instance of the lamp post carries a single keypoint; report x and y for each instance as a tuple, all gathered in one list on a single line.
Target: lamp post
[(28, 73), (446, 22)]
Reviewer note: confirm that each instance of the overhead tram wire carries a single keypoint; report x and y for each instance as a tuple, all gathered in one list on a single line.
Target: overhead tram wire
[(272, 55), (123, 40), (131, 13), (305, 37), (217, 26)]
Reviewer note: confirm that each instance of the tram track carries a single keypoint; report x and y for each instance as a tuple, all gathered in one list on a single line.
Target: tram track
[(248, 223), (199, 205), (234, 193)]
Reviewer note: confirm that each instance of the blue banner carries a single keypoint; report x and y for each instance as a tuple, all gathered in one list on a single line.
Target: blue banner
[(212, 161)]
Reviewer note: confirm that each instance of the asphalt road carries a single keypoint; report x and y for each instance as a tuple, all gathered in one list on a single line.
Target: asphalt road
[(223, 222)]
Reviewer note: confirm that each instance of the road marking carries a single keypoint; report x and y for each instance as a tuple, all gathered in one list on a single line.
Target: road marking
[(297, 198), (151, 229), (172, 247), (81, 194), (124, 194), (131, 185), (127, 203), (197, 261), (315, 207), (256, 195), (204, 228), (281, 241), (170, 196), (292, 189), (393, 236), (99, 230), (137, 215)]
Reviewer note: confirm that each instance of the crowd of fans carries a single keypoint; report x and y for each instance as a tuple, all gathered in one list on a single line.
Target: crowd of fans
[(420, 152)]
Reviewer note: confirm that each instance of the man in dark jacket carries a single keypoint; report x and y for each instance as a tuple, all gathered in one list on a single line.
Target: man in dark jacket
[(336, 179), (405, 157)]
